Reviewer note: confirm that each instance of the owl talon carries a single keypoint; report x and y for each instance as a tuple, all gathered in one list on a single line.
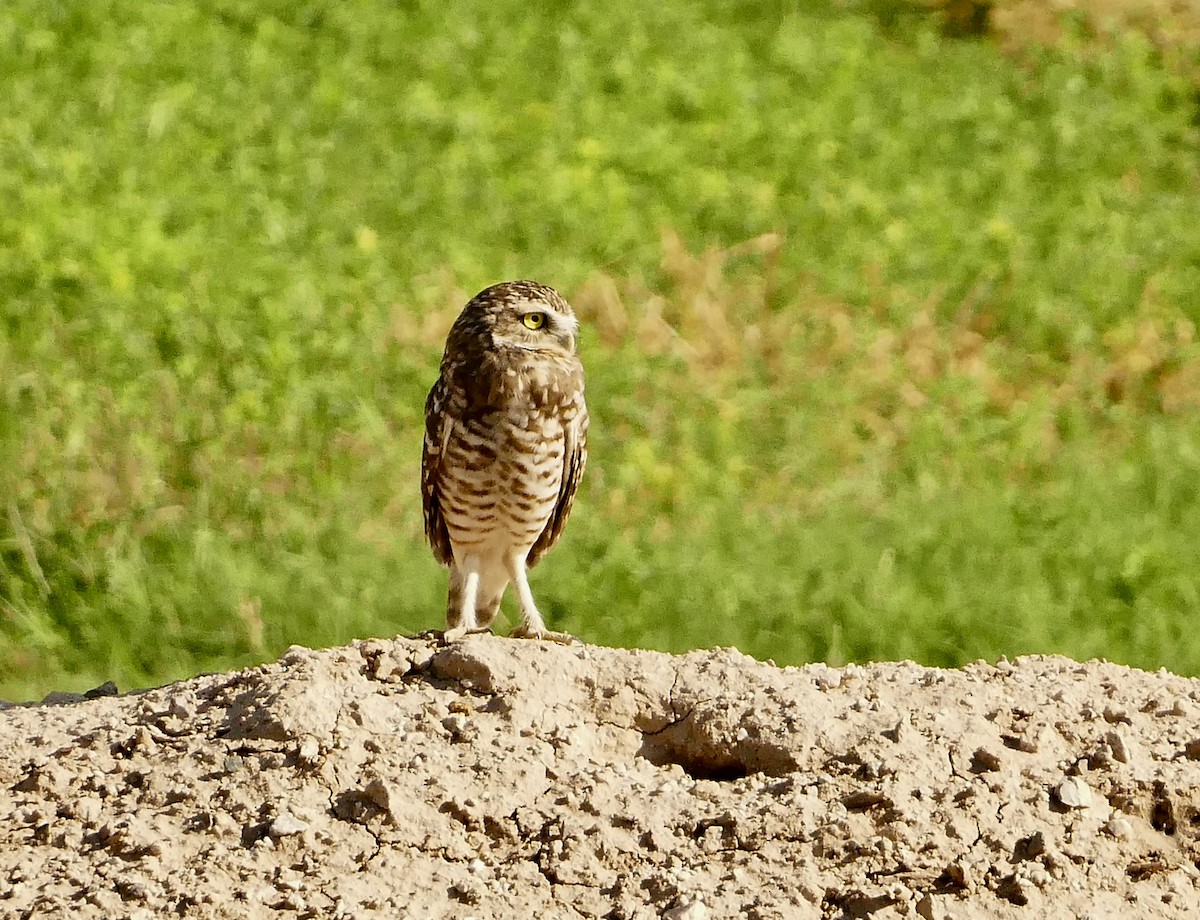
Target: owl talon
[(458, 633), (545, 635)]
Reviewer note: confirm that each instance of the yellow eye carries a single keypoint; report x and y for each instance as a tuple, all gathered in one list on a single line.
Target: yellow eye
[(534, 320)]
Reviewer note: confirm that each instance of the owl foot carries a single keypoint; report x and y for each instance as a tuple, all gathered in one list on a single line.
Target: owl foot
[(458, 633), (546, 635)]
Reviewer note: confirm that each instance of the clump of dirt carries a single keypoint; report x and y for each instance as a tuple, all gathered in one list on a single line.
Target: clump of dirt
[(500, 778)]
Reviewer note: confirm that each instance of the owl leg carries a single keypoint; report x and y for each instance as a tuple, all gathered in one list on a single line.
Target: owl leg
[(532, 625), (489, 607), (460, 605)]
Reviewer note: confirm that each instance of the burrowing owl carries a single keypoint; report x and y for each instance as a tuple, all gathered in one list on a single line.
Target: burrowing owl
[(505, 448)]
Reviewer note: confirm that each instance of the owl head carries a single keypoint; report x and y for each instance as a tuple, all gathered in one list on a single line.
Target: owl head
[(524, 315)]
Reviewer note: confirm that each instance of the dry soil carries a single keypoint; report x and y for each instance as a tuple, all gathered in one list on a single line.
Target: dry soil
[(504, 778)]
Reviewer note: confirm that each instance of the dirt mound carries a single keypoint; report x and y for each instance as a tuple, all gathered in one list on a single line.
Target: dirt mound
[(501, 778)]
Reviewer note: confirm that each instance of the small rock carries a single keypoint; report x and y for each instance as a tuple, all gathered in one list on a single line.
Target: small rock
[(929, 909), (181, 707), (1119, 746), (984, 761), (1014, 889), (379, 793), (88, 810), (172, 726), (1039, 877), (468, 891), (289, 880), (309, 752), (285, 824), (1191, 750), (693, 910), (1030, 847), (232, 763), (108, 688), (460, 728), (1073, 792), (385, 662), (421, 657), (142, 738), (1033, 739), (900, 732), (1119, 827), (294, 655)]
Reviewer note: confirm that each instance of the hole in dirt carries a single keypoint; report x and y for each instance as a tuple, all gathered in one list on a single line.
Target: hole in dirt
[(1162, 817), (701, 757), (1162, 813), (696, 764)]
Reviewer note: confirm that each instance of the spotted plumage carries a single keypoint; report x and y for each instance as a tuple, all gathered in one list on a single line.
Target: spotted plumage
[(505, 448)]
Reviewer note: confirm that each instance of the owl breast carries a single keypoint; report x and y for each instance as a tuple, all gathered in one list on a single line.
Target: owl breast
[(501, 479)]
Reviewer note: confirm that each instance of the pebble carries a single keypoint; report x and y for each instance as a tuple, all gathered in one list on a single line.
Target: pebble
[(1120, 747), (1073, 792), (143, 739), (285, 824), (181, 707), (694, 910), (294, 655), (88, 809), (929, 909), (459, 727), (469, 891), (310, 751), (289, 879), (1119, 827)]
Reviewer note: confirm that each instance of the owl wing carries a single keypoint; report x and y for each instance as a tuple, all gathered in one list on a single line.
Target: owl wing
[(574, 462), (437, 431)]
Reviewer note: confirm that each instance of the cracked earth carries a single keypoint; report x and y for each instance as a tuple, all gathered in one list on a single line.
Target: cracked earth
[(500, 778)]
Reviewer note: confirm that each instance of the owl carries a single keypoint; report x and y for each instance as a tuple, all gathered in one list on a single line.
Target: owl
[(505, 449)]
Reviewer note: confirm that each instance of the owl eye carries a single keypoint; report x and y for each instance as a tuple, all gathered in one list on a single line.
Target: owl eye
[(534, 320)]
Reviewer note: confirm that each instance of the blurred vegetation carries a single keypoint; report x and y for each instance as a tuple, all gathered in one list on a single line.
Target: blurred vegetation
[(891, 335)]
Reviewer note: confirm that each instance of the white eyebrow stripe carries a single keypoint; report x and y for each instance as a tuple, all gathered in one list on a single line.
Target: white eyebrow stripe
[(562, 321)]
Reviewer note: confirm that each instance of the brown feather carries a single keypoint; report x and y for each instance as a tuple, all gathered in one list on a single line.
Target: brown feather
[(574, 463), (436, 428)]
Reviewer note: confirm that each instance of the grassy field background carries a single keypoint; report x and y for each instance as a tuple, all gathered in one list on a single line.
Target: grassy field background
[(890, 335)]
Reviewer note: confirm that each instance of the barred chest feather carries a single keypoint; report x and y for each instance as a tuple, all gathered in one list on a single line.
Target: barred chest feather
[(504, 454)]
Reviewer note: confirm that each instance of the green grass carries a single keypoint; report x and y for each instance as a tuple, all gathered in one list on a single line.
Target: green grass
[(891, 339)]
